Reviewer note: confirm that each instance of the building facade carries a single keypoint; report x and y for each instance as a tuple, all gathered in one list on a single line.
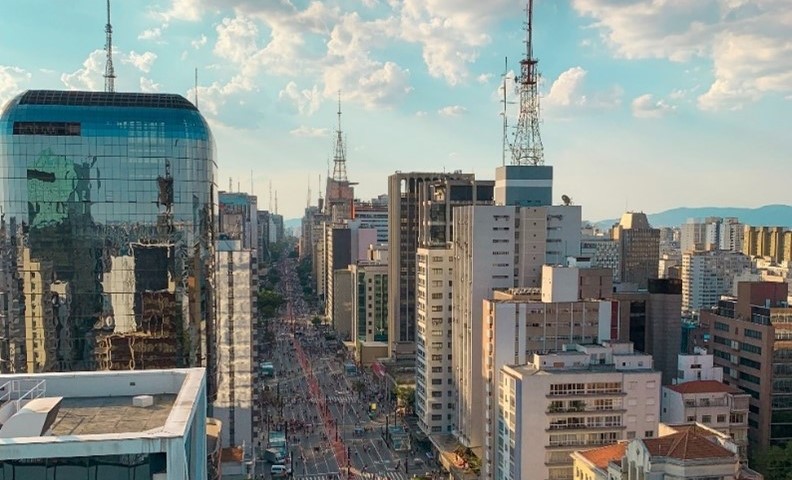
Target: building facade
[(524, 185), (109, 199), (370, 301), (238, 218), (589, 396), (639, 248), (706, 275)]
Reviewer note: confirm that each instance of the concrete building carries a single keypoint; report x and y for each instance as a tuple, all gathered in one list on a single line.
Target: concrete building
[(669, 265), (590, 395), (601, 252), (772, 242), (563, 233), (711, 233), (238, 218), (569, 284), (141, 424), (751, 339), (337, 256), (238, 385), (495, 247), (370, 301), (516, 326), (404, 221), (374, 215), (712, 403), (309, 219), (434, 392), (524, 185), (639, 247), (690, 453), (653, 322), (697, 366), (343, 303), (706, 275)]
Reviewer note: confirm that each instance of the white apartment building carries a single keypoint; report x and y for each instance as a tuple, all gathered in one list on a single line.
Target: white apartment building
[(237, 376), (602, 252), (434, 391), (589, 395), (516, 327), (712, 233), (119, 424), (487, 257), (719, 406), (370, 301), (563, 233), (697, 366), (706, 275)]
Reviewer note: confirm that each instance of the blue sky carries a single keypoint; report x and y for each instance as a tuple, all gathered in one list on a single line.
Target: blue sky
[(646, 104)]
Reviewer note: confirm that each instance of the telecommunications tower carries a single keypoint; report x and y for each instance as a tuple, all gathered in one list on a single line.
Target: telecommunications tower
[(339, 156), (527, 146), (109, 75)]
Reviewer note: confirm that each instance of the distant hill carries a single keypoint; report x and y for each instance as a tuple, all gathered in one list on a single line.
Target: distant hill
[(768, 215), (295, 223)]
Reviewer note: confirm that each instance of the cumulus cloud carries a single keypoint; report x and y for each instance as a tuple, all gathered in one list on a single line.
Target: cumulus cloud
[(89, 76), (306, 102), (153, 34), (645, 106), (452, 111), (12, 80), (141, 61), (310, 132), (148, 85), (569, 91), (189, 10), (236, 39), (199, 42), (746, 42)]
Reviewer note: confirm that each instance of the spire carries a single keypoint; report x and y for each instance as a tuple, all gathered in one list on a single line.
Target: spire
[(339, 157), (109, 75), (527, 146)]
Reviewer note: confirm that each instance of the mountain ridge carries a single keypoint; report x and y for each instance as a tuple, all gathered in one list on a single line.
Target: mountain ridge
[(776, 215)]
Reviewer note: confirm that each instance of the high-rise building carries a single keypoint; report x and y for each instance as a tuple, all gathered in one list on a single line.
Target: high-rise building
[(238, 218), (238, 386), (652, 321), (263, 238), (589, 395), (639, 248), (563, 233), (306, 231), (712, 233), (373, 215), (338, 256), (602, 252), (404, 221), (370, 301), (772, 242), (524, 185), (110, 199), (751, 339), (706, 275)]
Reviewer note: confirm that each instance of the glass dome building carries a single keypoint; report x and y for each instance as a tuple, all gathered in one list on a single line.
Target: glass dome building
[(107, 221)]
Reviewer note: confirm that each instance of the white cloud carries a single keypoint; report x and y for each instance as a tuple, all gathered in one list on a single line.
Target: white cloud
[(645, 106), (89, 77), (12, 81), (147, 85), (746, 42), (452, 111), (420, 113), (236, 39), (484, 78), (569, 91), (306, 102), (310, 132), (189, 10), (141, 61), (200, 42), (154, 33)]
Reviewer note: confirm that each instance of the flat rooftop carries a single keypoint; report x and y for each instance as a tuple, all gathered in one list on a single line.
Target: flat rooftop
[(97, 415)]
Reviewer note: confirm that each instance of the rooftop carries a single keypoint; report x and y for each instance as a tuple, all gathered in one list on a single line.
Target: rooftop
[(686, 445), (602, 456), (703, 386), (104, 99), (94, 415)]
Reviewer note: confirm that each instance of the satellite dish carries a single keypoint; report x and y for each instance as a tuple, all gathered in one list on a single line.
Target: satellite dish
[(567, 201)]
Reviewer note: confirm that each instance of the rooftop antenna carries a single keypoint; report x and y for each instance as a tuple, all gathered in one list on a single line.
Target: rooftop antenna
[(320, 186), (230, 184), (109, 75), (504, 114), (339, 157), (527, 147), (270, 195), (196, 87), (308, 199), (276, 202)]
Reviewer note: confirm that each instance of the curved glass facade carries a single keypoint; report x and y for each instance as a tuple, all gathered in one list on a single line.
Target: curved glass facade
[(107, 221)]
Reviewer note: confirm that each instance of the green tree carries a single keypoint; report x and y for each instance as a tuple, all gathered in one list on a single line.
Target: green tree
[(268, 303), (406, 397), (316, 321), (775, 463)]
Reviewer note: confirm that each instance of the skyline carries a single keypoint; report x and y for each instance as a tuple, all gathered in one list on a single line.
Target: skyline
[(671, 91)]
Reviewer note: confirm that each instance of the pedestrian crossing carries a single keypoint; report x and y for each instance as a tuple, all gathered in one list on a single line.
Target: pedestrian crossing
[(388, 475), (347, 398)]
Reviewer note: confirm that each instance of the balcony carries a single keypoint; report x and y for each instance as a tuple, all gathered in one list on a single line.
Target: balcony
[(570, 410), (583, 426)]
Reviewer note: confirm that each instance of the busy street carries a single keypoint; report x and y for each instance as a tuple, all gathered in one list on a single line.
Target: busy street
[(333, 415)]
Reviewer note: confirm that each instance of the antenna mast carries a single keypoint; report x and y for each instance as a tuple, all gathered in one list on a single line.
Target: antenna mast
[(527, 147), (339, 158), (196, 87), (308, 198), (270, 195), (504, 114), (276, 202), (109, 75)]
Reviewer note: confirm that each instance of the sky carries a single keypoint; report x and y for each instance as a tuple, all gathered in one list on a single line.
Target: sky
[(646, 105)]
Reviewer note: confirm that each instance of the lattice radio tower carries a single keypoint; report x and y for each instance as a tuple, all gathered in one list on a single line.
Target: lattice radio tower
[(339, 156), (527, 146), (109, 75)]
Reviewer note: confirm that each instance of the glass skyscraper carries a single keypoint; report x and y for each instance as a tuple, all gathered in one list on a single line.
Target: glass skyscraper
[(107, 220)]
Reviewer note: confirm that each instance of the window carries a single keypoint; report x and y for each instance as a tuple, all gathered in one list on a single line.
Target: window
[(753, 333), (71, 129), (750, 363), (649, 434), (706, 419), (723, 327), (691, 418), (747, 347), (721, 418)]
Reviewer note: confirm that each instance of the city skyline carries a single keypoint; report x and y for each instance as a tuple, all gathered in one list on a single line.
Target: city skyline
[(664, 105)]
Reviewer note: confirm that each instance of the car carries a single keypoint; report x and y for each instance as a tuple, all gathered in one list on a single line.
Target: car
[(280, 471)]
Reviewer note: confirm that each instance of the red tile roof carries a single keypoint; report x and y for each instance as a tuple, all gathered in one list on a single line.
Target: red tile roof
[(703, 386), (232, 454), (601, 456), (686, 445)]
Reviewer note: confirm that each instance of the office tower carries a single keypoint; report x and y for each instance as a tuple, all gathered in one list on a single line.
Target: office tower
[(404, 221), (113, 195), (563, 233), (652, 321), (434, 392), (750, 338), (495, 247), (706, 275), (238, 385), (711, 403), (669, 265), (263, 237), (712, 233), (373, 215), (524, 185), (772, 242), (338, 256), (342, 303), (639, 248), (517, 325), (238, 218), (589, 395), (601, 252), (277, 229), (370, 301), (306, 232), (146, 424)]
